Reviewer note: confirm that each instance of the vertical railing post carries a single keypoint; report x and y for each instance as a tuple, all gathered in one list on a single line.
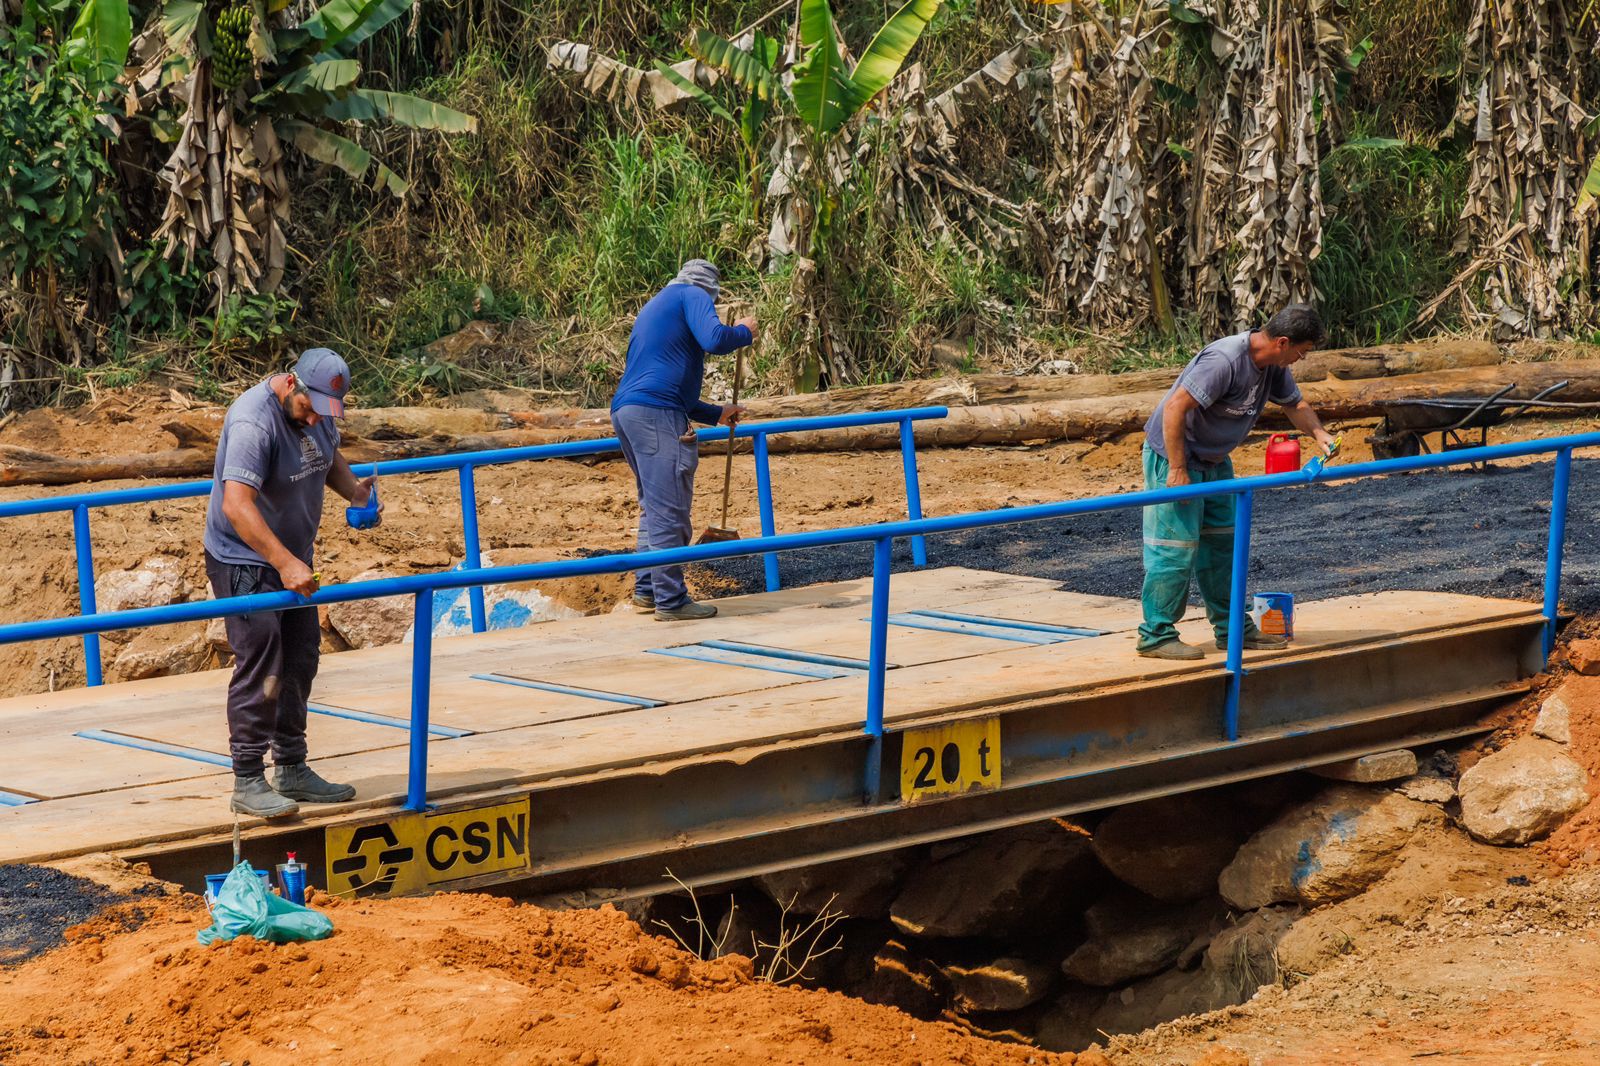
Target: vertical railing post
[(1236, 611), (469, 536), (878, 663), (769, 561), (908, 455), (1553, 553), (421, 679), (85, 547)]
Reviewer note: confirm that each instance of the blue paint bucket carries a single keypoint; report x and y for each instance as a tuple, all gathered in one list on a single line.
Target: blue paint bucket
[(1273, 613), (214, 883)]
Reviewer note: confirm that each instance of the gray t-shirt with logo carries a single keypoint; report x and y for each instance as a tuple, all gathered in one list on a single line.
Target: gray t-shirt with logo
[(1230, 392), (286, 465)]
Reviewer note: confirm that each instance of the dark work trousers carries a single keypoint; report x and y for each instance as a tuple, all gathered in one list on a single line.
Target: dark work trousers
[(275, 658), (663, 469)]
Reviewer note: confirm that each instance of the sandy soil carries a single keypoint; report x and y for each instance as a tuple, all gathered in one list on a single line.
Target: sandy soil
[(445, 979)]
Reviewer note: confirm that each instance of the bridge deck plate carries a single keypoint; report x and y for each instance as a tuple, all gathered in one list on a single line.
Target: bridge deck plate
[(96, 796)]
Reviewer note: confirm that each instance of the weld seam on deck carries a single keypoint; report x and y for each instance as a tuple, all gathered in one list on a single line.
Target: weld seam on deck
[(911, 621), (157, 746), (13, 799), (1070, 632), (568, 690), (843, 662), (699, 653), (383, 719)]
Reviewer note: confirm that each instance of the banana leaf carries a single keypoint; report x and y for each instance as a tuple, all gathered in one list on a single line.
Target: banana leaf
[(747, 70), (343, 24), (403, 109), (347, 155), (822, 91), (100, 37), (887, 51), (696, 93), (327, 78)]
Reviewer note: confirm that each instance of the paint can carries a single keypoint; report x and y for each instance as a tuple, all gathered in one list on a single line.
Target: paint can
[(214, 883), (1273, 613), (292, 879)]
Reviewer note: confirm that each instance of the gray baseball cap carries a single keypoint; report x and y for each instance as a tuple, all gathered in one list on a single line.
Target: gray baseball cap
[(326, 377)]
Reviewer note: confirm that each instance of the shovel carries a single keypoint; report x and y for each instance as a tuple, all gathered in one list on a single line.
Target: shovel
[(719, 533)]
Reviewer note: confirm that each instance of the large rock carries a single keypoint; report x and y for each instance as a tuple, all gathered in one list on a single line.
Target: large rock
[(159, 651), (906, 981), (999, 984), (1555, 717), (1584, 655), (860, 888), (1005, 883), (1327, 849), (155, 582), (372, 623), (1244, 956), (1132, 936), (1170, 849), (1521, 792)]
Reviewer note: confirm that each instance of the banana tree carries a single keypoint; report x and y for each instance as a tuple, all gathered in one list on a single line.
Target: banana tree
[(244, 84), (823, 95), (752, 70)]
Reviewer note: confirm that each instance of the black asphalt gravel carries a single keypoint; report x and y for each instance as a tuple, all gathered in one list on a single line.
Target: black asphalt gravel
[(1459, 530), (38, 904)]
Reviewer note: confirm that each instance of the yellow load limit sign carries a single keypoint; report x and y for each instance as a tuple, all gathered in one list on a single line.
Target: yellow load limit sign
[(949, 759), (416, 852)]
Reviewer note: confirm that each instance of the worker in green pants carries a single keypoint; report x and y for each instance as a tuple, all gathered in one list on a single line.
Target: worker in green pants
[(1208, 412)]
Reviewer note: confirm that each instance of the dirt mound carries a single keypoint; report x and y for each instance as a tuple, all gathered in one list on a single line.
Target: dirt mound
[(444, 979)]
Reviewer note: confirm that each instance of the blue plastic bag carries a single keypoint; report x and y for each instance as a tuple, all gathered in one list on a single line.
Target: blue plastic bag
[(244, 907)]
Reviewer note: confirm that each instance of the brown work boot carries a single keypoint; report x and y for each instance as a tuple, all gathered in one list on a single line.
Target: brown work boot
[(1175, 650)]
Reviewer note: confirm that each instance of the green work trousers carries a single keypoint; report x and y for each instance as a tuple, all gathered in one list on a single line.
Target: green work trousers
[(1189, 539)]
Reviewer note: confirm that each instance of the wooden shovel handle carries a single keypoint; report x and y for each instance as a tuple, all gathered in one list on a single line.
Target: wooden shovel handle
[(727, 472)]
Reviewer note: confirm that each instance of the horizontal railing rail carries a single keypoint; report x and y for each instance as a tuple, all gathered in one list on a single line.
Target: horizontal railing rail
[(881, 535), (465, 463)]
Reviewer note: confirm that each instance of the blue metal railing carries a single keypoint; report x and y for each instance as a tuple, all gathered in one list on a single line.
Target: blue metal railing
[(881, 536), (465, 463)]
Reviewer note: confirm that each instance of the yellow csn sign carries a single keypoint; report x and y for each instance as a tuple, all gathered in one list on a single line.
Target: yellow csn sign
[(949, 759), (412, 853)]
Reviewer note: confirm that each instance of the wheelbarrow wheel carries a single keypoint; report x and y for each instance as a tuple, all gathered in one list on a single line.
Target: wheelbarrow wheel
[(1401, 445)]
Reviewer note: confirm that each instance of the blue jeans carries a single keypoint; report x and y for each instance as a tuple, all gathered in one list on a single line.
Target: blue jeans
[(663, 470)]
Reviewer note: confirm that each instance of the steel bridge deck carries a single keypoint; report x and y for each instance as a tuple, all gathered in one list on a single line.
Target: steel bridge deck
[(591, 756)]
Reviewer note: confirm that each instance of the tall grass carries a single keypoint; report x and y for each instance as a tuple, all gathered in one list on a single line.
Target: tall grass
[(1387, 240)]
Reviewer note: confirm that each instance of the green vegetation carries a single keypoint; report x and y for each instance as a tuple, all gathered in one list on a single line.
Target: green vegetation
[(392, 172)]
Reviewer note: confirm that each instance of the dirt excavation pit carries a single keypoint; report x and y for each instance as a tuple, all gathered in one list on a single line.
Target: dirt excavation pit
[(1289, 920)]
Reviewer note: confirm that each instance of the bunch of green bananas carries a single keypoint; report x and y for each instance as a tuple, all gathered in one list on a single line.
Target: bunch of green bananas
[(231, 61)]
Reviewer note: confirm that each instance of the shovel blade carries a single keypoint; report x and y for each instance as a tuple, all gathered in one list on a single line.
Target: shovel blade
[(717, 534)]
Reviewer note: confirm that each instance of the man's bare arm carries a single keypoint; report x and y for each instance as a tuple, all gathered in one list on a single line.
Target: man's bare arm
[(1303, 418), (239, 508), (1173, 418), (343, 480)]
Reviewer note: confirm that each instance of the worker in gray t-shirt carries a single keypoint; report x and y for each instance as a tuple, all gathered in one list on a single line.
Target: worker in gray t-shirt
[(278, 449), (1191, 434)]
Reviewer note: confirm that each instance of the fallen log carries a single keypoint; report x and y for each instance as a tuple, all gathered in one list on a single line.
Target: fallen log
[(1094, 418), (20, 466)]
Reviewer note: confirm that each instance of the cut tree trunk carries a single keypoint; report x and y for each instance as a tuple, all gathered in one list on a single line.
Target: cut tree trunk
[(1080, 418)]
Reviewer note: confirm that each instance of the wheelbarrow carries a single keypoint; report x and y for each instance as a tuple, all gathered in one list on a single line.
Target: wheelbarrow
[(1407, 423)]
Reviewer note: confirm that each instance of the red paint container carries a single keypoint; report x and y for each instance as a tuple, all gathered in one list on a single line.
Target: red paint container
[(1283, 453)]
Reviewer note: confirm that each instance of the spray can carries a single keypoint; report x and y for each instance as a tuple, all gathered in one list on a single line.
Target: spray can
[(292, 879)]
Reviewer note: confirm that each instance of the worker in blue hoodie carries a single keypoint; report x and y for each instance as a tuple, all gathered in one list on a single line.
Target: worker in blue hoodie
[(658, 396)]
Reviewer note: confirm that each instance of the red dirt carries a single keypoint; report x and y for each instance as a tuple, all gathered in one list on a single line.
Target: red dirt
[(444, 979)]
